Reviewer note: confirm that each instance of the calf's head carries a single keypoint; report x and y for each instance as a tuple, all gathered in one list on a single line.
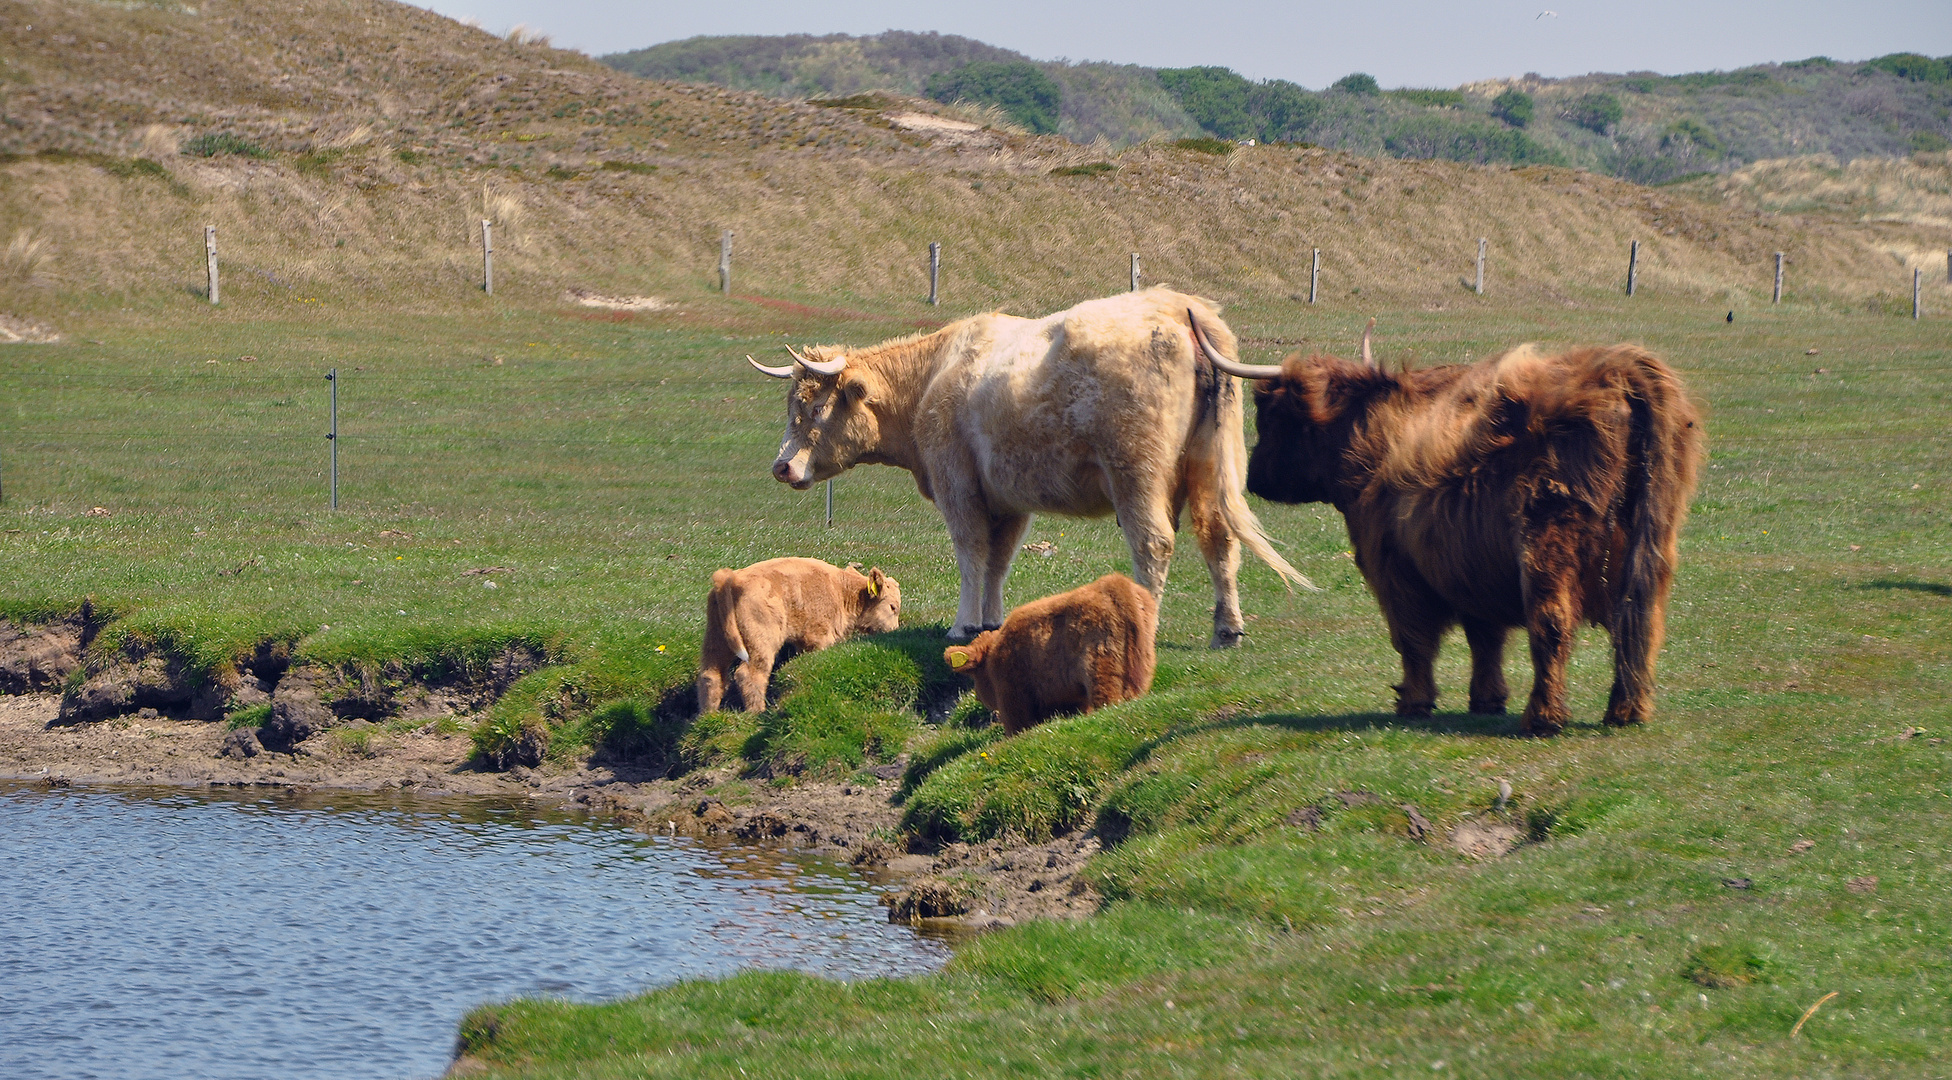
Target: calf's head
[(831, 421), (880, 603)]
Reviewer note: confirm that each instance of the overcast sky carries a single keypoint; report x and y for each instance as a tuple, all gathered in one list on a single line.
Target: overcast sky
[(1406, 43)]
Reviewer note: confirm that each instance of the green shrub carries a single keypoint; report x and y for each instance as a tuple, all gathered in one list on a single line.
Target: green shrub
[(1357, 83), (220, 143), (1458, 138), (410, 157), (1514, 107), (1432, 99), (250, 716), (128, 168), (1688, 135), (1019, 88), (1929, 142), (1206, 146), (1595, 112), (1914, 66), (1215, 97), (1095, 168), (628, 167)]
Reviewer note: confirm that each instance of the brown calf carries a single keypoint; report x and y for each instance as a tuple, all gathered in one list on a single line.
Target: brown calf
[(753, 613), (1075, 651)]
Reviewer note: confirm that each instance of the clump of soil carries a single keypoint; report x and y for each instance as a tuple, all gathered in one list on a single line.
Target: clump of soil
[(38, 658)]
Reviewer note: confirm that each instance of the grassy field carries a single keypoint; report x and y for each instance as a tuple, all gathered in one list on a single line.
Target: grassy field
[(1663, 917)]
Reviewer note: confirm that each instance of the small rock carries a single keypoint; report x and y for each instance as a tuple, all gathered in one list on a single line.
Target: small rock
[(240, 744), (1800, 846), (1865, 884), (1420, 827), (1306, 817), (1737, 883)]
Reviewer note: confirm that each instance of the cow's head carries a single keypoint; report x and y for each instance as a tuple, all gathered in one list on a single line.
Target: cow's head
[(968, 659), (831, 422), (1308, 411), (880, 603)]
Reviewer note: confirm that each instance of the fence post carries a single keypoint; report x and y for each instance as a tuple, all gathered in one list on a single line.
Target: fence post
[(1917, 278), (1633, 266), (332, 433), (1314, 274), (935, 271), (1948, 267), (210, 258), (487, 259), (1135, 272), (830, 504), (725, 262), (1480, 285), (1778, 298)]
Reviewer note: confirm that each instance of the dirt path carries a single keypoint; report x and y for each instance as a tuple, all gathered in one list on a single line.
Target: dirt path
[(974, 887)]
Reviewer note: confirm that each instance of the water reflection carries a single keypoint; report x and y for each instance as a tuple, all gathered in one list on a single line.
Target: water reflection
[(158, 932)]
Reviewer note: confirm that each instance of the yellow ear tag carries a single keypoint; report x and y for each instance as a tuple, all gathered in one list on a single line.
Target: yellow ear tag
[(873, 589), (958, 660)]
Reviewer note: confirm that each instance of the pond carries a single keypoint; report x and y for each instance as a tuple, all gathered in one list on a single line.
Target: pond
[(167, 933)]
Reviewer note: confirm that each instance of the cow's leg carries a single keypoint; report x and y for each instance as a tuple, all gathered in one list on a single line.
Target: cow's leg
[(1005, 534), (1222, 551), (969, 531), (1417, 619), (711, 687), (1145, 517), (752, 677), (1639, 622), (1488, 690), (1552, 610)]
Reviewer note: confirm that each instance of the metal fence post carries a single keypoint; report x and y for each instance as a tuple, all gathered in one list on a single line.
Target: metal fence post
[(332, 433), (1480, 284), (210, 258), (1135, 271), (1314, 274), (1633, 266), (935, 271), (487, 259), (725, 262), (1917, 279), (830, 504), (1778, 297)]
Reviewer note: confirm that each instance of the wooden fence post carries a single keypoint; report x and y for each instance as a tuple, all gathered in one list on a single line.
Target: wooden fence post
[(487, 259), (1917, 279), (1135, 272), (210, 258), (1633, 266), (1480, 266), (935, 272), (725, 262), (1314, 274), (1777, 298)]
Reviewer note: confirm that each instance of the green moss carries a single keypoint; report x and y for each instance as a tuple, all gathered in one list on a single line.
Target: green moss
[(1095, 168), (220, 144), (250, 716)]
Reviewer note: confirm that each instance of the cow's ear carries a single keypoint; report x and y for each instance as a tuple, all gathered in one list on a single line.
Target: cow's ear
[(876, 579), (959, 658), (855, 390)]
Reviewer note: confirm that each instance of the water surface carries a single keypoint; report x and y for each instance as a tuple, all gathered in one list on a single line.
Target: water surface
[(164, 933)]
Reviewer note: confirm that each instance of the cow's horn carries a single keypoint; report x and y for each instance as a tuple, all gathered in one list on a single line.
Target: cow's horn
[(1368, 358), (1245, 371), (828, 368), (784, 371)]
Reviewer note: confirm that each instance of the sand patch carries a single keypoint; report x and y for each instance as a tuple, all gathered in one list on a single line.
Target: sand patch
[(586, 298), (15, 330)]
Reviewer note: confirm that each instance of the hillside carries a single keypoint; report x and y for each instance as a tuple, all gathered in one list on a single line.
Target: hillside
[(350, 148), (1643, 127)]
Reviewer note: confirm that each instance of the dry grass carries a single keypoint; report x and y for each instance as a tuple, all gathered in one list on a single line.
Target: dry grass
[(26, 254), (395, 131), (1914, 192)]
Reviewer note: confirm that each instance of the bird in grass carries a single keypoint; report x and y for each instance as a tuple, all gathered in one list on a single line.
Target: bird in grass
[(1731, 316)]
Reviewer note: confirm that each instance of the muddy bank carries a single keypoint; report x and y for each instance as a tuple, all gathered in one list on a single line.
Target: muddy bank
[(977, 887)]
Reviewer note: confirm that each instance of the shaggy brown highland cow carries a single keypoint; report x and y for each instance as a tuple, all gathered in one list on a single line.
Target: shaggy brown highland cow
[(753, 613), (1073, 652), (1523, 490)]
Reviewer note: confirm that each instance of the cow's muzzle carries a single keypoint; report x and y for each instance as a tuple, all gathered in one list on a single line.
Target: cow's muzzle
[(793, 473)]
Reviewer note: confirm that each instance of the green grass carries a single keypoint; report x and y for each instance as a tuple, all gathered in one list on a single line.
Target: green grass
[(612, 466)]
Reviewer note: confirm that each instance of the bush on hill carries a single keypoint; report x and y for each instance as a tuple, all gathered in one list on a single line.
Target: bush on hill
[(1357, 83), (1514, 107), (1434, 136), (1915, 67), (1019, 88), (1595, 112), (1215, 97)]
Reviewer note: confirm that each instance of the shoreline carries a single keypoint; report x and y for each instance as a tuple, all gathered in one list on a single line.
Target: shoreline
[(958, 889)]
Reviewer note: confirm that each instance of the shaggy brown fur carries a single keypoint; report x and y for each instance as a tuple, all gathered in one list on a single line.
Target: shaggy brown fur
[(1073, 652), (753, 613), (1523, 490)]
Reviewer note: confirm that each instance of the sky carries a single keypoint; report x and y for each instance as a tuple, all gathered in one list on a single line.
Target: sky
[(1439, 43)]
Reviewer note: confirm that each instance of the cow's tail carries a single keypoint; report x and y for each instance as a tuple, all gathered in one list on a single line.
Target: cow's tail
[(1665, 445), (1222, 426), (720, 613)]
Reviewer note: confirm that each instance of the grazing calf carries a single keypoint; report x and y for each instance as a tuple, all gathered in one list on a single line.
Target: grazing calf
[(1075, 651), (1527, 490), (753, 613)]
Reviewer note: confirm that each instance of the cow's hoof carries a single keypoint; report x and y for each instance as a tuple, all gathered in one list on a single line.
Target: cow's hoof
[(1623, 719), (988, 626), (1226, 639), (962, 634), (1541, 725), (1419, 710), (1487, 708)]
